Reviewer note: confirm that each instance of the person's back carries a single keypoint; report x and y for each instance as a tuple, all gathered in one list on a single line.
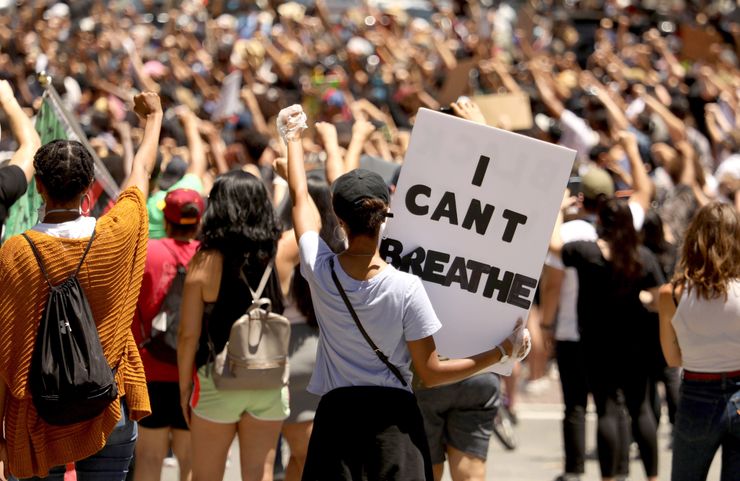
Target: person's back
[(155, 329), (700, 331), (374, 321), (110, 277), (708, 330), (239, 239), (387, 304)]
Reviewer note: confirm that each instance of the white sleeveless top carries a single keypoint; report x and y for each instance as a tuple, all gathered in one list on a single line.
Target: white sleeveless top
[(708, 331)]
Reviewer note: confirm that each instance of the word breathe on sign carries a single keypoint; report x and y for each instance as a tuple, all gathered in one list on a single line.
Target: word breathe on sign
[(431, 265)]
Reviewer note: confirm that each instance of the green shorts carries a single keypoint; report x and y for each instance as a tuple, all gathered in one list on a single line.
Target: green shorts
[(227, 407)]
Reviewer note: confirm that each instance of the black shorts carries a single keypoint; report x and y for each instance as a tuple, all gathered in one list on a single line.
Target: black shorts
[(368, 432), (166, 411), (460, 415)]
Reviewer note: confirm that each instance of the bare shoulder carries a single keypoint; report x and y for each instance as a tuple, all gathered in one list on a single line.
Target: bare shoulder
[(205, 267), (669, 289), (666, 290)]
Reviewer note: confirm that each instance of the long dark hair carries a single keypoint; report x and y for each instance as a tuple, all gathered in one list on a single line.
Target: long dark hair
[(320, 192), (653, 237), (241, 224), (616, 227)]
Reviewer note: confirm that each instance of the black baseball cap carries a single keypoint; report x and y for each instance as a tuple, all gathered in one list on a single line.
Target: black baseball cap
[(352, 188)]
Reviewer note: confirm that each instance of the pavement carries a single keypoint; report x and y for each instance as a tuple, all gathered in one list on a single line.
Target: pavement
[(539, 455)]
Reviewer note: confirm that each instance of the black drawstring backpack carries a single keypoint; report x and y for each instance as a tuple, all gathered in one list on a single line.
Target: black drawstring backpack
[(70, 379)]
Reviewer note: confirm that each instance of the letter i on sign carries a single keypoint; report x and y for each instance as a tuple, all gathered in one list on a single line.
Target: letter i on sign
[(480, 170)]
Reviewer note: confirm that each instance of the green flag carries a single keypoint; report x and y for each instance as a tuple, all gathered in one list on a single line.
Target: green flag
[(24, 213)]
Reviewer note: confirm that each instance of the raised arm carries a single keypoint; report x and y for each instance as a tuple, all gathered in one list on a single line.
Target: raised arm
[(547, 94), (556, 241), (148, 106), (198, 160), (124, 131), (23, 131), (642, 186), (146, 80), (254, 108), (334, 162), (502, 71), (676, 128), (616, 115), (361, 131), (689, 172), (291, 122)]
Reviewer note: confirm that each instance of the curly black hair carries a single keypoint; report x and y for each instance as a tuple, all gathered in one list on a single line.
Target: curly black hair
[(240, 222), (65, 168)]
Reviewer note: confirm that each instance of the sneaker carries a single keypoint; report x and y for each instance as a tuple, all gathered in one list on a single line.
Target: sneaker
[(568, 477), (538, 386)]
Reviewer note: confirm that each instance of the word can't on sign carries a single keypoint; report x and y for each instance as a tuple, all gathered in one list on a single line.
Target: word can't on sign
[(477, 214)]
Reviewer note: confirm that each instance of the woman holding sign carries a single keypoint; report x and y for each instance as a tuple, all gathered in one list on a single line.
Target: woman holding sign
[(374, 322)]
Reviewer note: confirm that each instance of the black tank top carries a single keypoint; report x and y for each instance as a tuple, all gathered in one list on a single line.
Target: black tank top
[(232, 302)]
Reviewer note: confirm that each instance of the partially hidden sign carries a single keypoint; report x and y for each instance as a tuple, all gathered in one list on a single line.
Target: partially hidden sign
[(472, 216)]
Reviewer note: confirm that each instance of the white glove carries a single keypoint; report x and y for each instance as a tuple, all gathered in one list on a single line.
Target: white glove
[(520, 341), (291, 121), (522, 351)]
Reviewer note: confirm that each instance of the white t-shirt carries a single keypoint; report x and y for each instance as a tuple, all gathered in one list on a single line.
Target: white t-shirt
[(708, 331), (577, 134), (566, 325), (392, 306), (79, 228)]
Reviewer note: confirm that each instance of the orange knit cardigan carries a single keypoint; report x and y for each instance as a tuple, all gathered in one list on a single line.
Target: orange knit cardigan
[(111, 277)]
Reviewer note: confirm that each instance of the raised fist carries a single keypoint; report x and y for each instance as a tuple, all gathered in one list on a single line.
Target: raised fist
[(147, 103)]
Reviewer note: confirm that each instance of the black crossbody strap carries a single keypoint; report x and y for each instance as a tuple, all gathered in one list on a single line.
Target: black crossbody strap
[(364, 333), (38, 258)]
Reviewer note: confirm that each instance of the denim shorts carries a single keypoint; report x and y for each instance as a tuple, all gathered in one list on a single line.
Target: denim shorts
[(460, 415), (110, 463), (708, 417)]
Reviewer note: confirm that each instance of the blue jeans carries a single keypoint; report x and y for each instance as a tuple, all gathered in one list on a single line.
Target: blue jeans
[(110, 463), (708, 417)]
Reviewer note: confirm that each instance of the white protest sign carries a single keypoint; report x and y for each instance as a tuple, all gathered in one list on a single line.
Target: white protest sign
[(472, 216), (228, 102)]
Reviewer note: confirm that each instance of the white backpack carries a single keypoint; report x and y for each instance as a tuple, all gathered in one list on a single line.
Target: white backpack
[(256, 355)]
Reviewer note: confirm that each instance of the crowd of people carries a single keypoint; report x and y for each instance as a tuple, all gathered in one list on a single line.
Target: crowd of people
[(247, 186)]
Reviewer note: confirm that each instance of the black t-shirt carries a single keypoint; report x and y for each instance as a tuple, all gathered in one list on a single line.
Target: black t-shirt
[(12, 186), (610, 313)]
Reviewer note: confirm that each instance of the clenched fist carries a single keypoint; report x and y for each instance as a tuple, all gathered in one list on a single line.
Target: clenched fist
[(147, 103)]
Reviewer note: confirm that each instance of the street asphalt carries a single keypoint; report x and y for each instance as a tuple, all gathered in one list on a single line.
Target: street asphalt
[(538, 456)]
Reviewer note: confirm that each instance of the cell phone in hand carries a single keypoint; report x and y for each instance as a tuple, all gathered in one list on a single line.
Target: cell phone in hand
[(574, 185), (447, 110)]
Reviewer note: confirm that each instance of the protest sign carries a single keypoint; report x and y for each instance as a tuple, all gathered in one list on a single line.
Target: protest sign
[(510, 111), (472, 216), (457, 82), (228, 102), (697, 42)]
